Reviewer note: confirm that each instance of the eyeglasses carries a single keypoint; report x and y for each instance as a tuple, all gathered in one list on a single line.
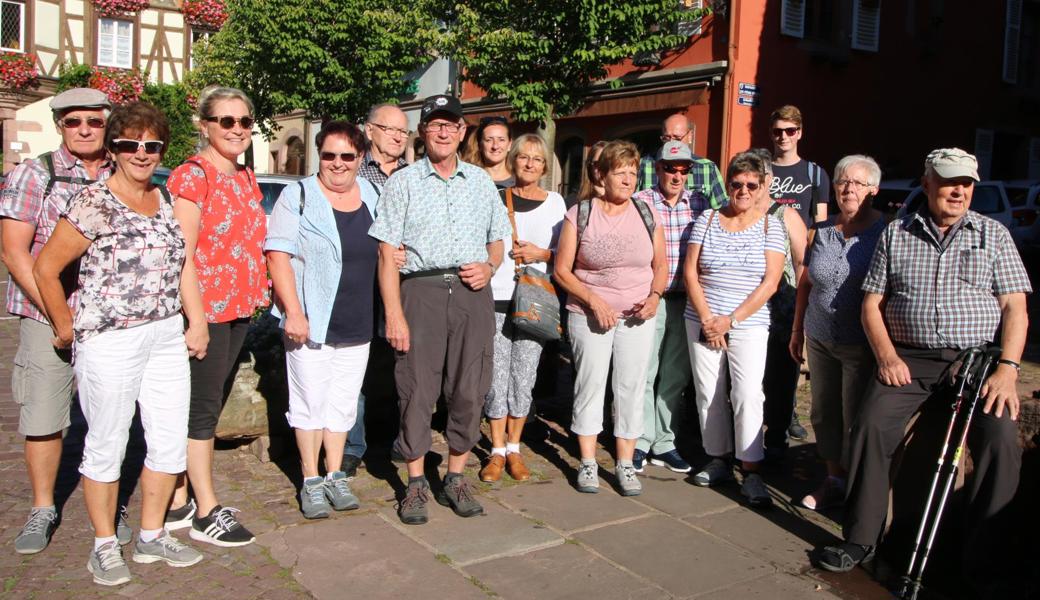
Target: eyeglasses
[(790, 131), (856, 185), (228, 122), (675, 169), (668, 137), (344, 156), (387, 129), (439, 126), (75, 122), (538, 160), (751, 186), (134, 146)]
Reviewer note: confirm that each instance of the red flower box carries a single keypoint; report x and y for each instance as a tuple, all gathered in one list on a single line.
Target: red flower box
[(209, 14), (18, 70), (120, 85), (115, 8)]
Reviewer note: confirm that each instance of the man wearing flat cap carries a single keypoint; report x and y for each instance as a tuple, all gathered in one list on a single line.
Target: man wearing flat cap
[(943, 279), (36, 195), (439, 311)]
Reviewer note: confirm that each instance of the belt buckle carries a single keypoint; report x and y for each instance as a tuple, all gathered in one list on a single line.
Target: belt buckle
[(449, 277)]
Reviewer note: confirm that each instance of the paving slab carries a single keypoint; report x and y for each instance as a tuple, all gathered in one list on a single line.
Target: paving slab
[(673, 494), (779, 536), (558, 504), (779, 586), (562, 572), (365, 557), (498, 532), (681, 559)]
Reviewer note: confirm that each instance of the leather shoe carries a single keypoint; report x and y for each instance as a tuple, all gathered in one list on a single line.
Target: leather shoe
[(517, 468), (492, 471)]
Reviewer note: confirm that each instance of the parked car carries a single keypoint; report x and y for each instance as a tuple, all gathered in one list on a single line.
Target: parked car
[(990, 199), (270, 185), (1024, 196), (893, 193)]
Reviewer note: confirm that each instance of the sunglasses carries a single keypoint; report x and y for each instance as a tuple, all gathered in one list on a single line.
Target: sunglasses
[(134, 146), (75, 122), (344, 156), (228, 122), (675, 169), (751, 186), (790, 131)]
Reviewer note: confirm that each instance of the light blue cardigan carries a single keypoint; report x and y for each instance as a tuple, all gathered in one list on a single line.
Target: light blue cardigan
[(312, 240)]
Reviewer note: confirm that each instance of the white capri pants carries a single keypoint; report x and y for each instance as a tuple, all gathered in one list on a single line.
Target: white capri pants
[(628, 344), (146, 365), (324, 384), (744, 363)]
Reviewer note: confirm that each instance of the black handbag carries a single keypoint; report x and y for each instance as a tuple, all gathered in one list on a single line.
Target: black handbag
[(535, 309)]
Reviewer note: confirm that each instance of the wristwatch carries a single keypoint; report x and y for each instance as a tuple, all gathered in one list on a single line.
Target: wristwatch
[(493, 268), (1014, 365), (733, 322)]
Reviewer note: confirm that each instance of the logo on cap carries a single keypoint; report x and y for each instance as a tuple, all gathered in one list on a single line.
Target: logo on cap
[(674, 150), (441, 101)]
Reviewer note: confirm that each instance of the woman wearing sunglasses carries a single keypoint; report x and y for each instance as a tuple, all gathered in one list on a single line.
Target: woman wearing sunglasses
[(130, 348), (733, 265), (323, 265), (488, 148), (218, 206)]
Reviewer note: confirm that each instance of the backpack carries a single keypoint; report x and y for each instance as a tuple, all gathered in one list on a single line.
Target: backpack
[(814, 180), (585, 210), (48, 161)]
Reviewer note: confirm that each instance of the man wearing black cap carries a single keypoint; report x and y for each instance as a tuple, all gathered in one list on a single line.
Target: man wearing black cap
[(439, 311), (36, 194)]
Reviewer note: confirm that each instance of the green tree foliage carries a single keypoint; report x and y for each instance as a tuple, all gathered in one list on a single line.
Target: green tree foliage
[(172, 100), (543, 56), (334, 58), (73, 76)]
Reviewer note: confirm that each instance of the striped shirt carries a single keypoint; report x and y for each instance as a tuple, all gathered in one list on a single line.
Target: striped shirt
[(943, 293), (678, 223), (23, 200), (732, 264), (704, 181)]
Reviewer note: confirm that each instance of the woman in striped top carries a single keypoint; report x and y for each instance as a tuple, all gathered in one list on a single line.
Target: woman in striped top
[(733, 266)]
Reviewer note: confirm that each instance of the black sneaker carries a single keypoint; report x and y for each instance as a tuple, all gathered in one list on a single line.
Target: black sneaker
[(350, 465), (458, 494), (220, 528)]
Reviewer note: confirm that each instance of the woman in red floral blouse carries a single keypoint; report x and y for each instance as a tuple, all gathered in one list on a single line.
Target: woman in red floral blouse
[(218, 206)]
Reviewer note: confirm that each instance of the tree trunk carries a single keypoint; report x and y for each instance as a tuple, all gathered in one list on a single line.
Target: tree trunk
[(553, 174)]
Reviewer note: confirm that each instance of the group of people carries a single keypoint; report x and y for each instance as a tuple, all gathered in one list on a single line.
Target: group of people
[(671, 272)]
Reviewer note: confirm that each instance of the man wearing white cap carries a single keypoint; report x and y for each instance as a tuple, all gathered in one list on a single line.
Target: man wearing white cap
[(37, 192), (942, 279)]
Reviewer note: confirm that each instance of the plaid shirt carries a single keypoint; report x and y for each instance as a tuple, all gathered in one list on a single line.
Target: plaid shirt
[(678, 223), (943, 293), (704, 180), (370, 170), (23, 200)]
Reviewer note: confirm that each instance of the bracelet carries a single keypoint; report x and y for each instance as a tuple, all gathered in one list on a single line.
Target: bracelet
[(796, 331), (659, 294), (494, 269), (1010, 363)]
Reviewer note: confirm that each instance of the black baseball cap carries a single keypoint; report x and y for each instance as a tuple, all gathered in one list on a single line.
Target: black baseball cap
[(441, 103)]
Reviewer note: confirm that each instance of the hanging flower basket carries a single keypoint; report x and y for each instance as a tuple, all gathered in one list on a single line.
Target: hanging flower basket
[(18, 70), (209, 14), (120, 85), (115, 8)]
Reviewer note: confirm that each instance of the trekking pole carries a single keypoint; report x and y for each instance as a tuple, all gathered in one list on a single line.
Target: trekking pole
[(975, 368)]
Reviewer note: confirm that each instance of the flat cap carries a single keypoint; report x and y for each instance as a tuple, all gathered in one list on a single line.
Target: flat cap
[(950, 163), (79, 98)]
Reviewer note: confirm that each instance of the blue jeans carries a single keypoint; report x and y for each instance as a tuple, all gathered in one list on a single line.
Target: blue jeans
[(356, 445)]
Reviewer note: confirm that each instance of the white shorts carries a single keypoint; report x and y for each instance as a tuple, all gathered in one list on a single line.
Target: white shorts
[(324, 385), (145, 365)]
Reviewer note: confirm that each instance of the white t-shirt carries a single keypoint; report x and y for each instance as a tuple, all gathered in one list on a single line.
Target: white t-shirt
[(538, 222)]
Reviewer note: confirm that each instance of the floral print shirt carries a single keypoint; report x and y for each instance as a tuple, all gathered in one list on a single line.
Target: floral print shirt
[(229, 254), (131, 272)]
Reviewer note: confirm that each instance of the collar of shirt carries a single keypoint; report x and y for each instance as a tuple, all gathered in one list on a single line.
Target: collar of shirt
[(659, 196), (66, 160), (923, 220), (426, 168), (371, 160)]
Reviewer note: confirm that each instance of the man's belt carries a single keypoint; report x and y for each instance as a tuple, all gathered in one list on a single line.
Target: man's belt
[(439, 273)]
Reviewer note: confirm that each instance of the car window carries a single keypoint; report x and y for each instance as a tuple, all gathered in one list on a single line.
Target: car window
[(271, 191), (889, 200), (987, 200), (1017, 195)]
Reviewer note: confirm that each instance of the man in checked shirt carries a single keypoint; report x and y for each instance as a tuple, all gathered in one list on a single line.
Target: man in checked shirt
[(943, 278)]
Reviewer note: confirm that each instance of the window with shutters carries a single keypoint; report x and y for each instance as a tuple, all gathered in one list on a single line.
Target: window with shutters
[(1012, 33), (115, 43), (12, 26), (866, 24), (792, 18), (984, 140)]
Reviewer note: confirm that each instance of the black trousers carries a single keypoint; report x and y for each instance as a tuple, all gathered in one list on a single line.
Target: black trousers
[(878, 430), (779, 383), (211, 377)]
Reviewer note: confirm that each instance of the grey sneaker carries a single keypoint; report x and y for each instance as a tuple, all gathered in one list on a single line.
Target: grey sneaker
[(37, 531), (626, 474), (312, 499), (124, 533), (107, 564), (413, 508), (180, 518), (458, 494), (338, 492), (754, 489), (166, 548), (588, 478), (713, 473)]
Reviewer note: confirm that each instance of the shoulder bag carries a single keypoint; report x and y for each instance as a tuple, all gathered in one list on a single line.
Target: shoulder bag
[(535, 309)]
